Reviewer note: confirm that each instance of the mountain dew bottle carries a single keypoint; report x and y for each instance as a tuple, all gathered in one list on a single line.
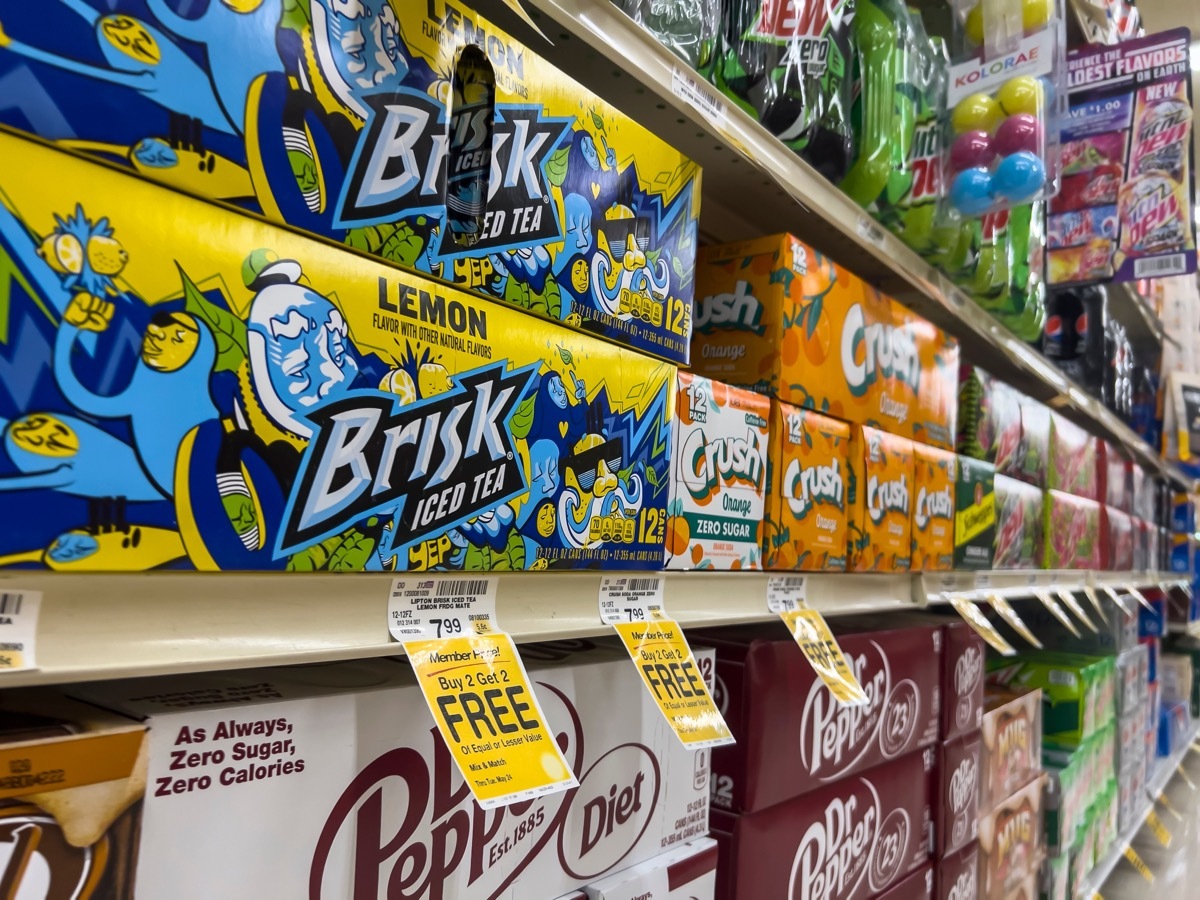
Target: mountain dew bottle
[(789, 64)]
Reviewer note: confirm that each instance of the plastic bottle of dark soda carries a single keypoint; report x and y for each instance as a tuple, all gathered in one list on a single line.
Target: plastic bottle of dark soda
[(1073, 336)]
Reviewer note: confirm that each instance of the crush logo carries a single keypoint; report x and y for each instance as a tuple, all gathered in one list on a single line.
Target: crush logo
[(407, 826), (933, 505), (433, 464), (706, 464), (836, 850), (886, 496), (886, 351), (805, 486), (834, 737), (739, 309), (399, 170)]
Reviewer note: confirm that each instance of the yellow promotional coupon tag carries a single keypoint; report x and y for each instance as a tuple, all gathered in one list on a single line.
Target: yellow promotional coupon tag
[(1015, 622), (633, 606), (1116, 598), (1094, 599), (1166, 804), (982, 625), (1057, 611), (1068, 599), (1158, 829), (786, 597), (477, 689), (1138, 596), (1136, 861), (1186, 779)]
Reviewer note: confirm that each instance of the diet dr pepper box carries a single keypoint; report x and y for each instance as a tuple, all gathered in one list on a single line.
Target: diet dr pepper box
[(718, 476), (333, 782), (213, 392), (417, 132), (850, 840), (792, 735)]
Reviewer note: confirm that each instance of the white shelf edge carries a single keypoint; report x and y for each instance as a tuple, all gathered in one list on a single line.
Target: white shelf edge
[(1162, 776), (632, 50)]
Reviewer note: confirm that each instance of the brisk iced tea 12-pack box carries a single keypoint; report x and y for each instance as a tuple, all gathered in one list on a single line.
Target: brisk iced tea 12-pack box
[(199, 389), (775, 315), (879, 502), (718, 476), (792, 734), (328, 785), (807, 479), (417, 132)]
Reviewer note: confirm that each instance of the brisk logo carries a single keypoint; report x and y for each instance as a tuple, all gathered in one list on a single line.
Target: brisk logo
[(740, 309), (435, 463), (399, 170)]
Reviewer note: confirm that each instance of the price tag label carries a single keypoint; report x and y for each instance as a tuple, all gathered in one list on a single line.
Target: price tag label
[(477, 689), (1158, 829), (870, 231), (655, 642), (983, 581), (981, 624), (1015, 622), (1057, 611), (1136, 861), (19, 610), (700, 95), (1068, 599), (1116, 598), (1090, 593), (786, 593)]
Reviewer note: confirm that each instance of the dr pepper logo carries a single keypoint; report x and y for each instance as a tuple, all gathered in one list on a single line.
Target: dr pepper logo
[(406, 826)]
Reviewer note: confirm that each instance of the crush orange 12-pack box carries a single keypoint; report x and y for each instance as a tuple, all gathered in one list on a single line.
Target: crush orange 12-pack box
[(188, 387), (775, 315), (413, 130), (934, 477), (807, 482), (718, 476), (879, 504)]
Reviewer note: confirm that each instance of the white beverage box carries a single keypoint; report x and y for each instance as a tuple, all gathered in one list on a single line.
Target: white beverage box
[(331, 782), (685, 873)]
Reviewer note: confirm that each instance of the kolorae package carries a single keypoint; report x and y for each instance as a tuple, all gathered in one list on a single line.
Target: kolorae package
[(200, 389), (414, 131), (326, 784)]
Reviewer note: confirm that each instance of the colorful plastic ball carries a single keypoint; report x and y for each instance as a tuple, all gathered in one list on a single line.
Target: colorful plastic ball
[(1016, 133), (1022, 94), (1035, 14), (971, 150), (971, 191), (1018, 177), (974, 24), (976, 112)]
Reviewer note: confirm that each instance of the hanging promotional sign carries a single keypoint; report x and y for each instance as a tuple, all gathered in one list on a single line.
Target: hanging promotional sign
[(1125, 208)]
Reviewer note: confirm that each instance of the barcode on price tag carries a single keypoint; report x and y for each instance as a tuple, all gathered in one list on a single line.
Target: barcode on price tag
[(18, 629), (691, 88), (423, 608), (627, 599), (786, 593)]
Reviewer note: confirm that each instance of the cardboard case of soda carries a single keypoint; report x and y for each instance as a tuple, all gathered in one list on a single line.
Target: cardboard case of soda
[(974, 514), (199, 389), (688, 872), (775, 315), (850, 840), (1019, 523), (331, 771), (774, 699), (417, 132), (70, 798), (934, 484), (807, 479), (718, 476), (879, 502)]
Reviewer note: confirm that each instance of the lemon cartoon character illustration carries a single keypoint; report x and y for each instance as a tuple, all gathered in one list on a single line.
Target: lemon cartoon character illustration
[(170, 341), (579, 276), (400, 383), (433, 379), (547, 520)]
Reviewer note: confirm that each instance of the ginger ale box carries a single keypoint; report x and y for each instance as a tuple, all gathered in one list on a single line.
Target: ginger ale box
[(933, 509), (807, 480), (879, 501), (418, 132), (718, 476), (332, 781), (187, 387), (777, 316), (974, 514)]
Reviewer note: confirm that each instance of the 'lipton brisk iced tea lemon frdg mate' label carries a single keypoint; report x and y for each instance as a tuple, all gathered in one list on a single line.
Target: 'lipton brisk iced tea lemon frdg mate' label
[(199, 389), (879, 501), (418, 132), (933, 508), (718, 476), (807, 481), (777, 316)]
